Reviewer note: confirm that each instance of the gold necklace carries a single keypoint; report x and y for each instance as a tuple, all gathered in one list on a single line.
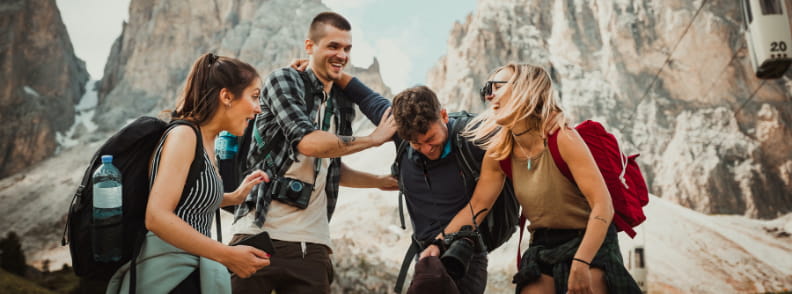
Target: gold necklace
[(530, 159)]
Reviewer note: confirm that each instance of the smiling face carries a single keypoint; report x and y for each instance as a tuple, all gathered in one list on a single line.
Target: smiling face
[(330, 54), (242, 110), (501, 92), (431, 143)]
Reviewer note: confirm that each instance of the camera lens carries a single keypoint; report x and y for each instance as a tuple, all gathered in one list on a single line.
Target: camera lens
[(457, 258), (296, 186)]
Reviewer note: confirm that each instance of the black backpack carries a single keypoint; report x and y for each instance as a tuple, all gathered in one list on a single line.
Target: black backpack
[(501, 221), (132, 148)]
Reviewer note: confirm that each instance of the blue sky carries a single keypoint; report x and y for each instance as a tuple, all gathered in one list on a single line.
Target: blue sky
[(406, 36), (93, 25)]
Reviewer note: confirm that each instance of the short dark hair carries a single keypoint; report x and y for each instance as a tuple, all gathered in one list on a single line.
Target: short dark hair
[(415, 110), (316, 30), (210, 74)]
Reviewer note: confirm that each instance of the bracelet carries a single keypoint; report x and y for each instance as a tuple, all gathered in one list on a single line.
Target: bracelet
[(583, 261)]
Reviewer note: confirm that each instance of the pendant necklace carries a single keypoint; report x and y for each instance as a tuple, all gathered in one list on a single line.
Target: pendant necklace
[(530, 159)]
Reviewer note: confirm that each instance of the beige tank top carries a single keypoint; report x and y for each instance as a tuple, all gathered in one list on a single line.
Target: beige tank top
[(548, 198)]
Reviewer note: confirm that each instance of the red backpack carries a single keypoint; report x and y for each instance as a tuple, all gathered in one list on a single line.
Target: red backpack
[(622, 175)]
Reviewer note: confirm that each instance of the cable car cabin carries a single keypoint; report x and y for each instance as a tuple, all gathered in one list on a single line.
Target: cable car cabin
[(767, 33)]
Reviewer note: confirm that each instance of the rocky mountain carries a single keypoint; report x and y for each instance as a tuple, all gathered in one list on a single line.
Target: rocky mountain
[(671, 79), (700, 146), (149, 62), (40, 82)]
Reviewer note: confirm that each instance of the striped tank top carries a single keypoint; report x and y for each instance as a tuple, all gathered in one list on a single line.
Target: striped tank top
[(200, 198)]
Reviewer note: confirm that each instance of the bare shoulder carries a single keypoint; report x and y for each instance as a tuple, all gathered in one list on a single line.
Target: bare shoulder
[(570, 143), (180, 140)]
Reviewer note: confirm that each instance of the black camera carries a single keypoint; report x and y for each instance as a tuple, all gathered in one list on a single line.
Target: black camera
[(461, 247), (291, 191)]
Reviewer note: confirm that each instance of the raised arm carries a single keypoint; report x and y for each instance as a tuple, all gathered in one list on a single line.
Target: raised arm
[(487, 190), (371, 103), (328, 145), (283, 97)]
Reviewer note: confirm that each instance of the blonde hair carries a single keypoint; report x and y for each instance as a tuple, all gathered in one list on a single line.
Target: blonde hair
[(530, 98)]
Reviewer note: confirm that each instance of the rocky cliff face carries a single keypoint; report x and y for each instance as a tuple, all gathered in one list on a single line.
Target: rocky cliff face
[(712, 137), (40, 82), (151, 59)]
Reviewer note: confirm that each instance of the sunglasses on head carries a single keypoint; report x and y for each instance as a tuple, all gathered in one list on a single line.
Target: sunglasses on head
[(487, 89)]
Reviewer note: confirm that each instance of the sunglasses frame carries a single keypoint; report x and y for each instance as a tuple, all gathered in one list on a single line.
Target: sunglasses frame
[(487, 89)]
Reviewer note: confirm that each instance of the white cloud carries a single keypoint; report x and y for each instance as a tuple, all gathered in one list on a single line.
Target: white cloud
[(395, 63)]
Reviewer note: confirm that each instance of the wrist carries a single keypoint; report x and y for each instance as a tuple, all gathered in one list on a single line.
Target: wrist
[(440, 244), (581, 261), (220, 254), (234, 196)]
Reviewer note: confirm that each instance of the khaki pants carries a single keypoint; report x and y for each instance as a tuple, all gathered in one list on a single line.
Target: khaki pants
[(289, 271)]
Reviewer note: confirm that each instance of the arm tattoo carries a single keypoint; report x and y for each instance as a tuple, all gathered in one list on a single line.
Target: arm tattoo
[(599, 218), (347, 139)]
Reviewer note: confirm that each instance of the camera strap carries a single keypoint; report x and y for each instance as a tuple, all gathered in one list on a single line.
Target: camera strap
[(324, 125)]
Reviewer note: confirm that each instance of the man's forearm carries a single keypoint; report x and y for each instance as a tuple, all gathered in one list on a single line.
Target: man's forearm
[(323, 144), (353, 178)]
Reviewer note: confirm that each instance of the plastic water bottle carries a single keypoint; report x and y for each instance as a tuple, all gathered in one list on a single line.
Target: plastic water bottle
[(226, 145), (107, 212)]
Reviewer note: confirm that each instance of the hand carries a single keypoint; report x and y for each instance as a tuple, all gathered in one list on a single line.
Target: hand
[(250, 181), (388, 183), (579, 278), (385, 130), (432, 250), (299, 64), (244, 260)]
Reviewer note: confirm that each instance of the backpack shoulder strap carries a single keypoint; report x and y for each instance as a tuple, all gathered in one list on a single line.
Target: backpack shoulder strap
[(471, 167), (396, 172), (506, 167), (552, 144), (309, 91)]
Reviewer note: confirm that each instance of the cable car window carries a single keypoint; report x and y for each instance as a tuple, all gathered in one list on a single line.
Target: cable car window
[(770, 7), (639, 258)]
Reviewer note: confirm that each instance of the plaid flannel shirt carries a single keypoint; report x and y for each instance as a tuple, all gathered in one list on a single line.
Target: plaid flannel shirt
[(283, 119)]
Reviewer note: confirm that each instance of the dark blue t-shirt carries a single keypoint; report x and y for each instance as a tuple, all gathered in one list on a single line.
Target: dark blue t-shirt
[(434, 189)]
